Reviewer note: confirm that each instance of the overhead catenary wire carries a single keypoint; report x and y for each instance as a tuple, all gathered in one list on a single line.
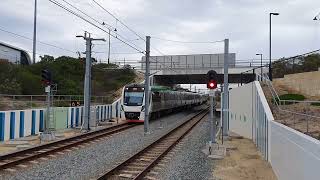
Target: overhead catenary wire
[(85, 13), (297, 56), (88, 21), (100, 23), (41, 42), (123, 41), (119, 20)]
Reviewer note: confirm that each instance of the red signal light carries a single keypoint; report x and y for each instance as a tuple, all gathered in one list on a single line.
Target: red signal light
[(212, 84)]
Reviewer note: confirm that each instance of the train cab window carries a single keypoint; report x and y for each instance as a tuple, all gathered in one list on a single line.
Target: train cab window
[(133, 98)]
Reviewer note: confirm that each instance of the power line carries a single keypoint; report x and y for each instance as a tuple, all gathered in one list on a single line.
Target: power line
[(81, 17), (126, 26), (102, 52), (44, 43), (188, 42), (88, 21), (297, 56), (85, 13), (103, 23), (118, 20)]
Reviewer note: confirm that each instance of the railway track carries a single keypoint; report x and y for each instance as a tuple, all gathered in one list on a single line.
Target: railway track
[(138, 165), (25, 156)]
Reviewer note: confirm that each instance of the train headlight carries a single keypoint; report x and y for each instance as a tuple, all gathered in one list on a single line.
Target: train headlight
[(142, 109)]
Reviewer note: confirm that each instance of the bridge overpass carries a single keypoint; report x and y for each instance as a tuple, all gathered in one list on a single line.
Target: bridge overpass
[(192, 69)]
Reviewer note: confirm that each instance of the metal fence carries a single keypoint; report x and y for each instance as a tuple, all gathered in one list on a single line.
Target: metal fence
[(299, 115), (8, 102)]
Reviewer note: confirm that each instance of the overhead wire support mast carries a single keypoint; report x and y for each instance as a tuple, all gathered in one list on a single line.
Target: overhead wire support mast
[(87, 79), (147, 86)]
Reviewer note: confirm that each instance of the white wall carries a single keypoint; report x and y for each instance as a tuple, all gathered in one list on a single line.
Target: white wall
[(293, 155), (240, 116)]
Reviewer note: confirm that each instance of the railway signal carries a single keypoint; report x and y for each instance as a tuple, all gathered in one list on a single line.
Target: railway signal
[(212, 79), (211, 85), (46, 77)]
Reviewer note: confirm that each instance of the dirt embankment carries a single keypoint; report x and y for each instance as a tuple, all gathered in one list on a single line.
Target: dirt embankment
[(243, 162), (308, 124)]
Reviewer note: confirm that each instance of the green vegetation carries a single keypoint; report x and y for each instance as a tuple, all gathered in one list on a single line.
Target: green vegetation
[(296, 97), (67, 73), (296, 65), (315, 104)]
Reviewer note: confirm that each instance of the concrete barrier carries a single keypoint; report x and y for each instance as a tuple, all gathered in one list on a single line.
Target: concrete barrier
[(292, 155), (22, 123)]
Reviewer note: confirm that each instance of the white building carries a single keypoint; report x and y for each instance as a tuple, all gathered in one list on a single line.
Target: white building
[(14, 54)]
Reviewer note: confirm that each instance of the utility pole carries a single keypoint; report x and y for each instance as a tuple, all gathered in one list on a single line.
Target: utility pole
[(109, 48), (87, 79), (225, 107), (34, 32), (147, 86)]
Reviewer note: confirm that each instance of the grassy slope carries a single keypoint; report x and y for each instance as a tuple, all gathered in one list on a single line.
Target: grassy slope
[(67, 72)]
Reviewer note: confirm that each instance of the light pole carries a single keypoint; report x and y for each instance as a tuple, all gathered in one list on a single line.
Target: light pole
[(270, 68), (34, 32), (109, 42), (260, 62)]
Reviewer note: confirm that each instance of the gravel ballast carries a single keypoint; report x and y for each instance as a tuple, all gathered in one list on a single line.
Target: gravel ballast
[(92, 160), (188, 161)]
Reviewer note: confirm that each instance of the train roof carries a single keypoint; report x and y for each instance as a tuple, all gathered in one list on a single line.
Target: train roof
[(134, 85)]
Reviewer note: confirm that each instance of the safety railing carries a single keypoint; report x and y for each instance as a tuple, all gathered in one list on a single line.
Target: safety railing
[(299, 115), (8, 102)]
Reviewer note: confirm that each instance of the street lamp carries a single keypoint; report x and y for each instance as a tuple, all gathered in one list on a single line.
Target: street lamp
[(34, 33), (270, 68), (260, 62), (115, 30)]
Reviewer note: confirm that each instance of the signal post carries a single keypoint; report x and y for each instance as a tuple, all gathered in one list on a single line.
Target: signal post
[(212, 85), (47, 81)]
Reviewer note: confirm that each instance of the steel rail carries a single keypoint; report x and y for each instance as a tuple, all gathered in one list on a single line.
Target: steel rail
[(193, 121), (27, 155)]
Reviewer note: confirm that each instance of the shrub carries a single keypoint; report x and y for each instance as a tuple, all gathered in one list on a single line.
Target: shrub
[(296, 97), (315, 104)]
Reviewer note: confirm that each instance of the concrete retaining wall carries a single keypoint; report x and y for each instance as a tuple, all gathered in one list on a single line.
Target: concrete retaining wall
[(292, 155), (307, 83)]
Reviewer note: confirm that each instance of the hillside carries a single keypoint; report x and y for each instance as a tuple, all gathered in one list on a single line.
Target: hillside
[(67, 73)]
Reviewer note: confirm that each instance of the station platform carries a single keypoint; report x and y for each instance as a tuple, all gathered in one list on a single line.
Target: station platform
[(30, 141)]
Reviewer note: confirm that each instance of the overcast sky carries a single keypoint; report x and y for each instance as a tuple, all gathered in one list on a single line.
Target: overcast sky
[(244, 22)]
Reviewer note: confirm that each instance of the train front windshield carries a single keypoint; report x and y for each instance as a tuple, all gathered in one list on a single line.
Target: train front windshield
[(133, 98)]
